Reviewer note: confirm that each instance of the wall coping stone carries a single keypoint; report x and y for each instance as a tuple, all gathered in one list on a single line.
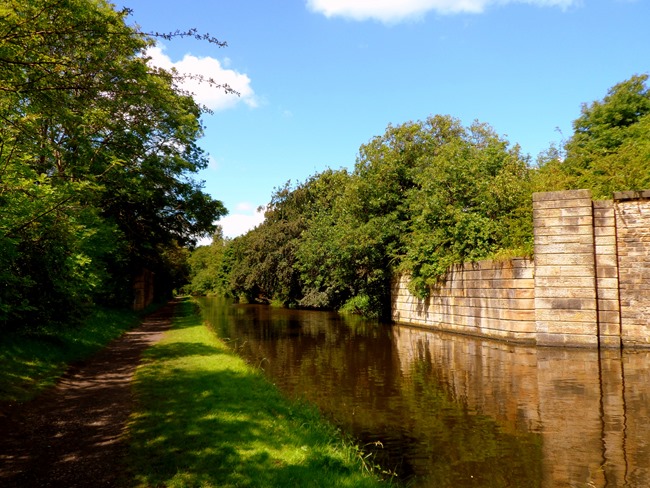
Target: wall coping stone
[(631, 195), (561, 195)]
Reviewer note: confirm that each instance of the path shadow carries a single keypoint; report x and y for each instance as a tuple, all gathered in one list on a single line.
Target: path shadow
[(73, 434)]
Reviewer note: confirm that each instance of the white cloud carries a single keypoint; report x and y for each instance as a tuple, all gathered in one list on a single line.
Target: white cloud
[(393, 11), (208, 68), (244, 218), (213, 164)]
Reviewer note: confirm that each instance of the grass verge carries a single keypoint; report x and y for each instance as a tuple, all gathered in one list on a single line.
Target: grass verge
[(32, 361), (206, 418)]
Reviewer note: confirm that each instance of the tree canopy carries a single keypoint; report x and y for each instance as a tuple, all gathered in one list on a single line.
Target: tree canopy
[(610, 148), (422, 197), (97, 152)]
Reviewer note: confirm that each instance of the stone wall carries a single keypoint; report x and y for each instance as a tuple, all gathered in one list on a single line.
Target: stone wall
[(608, 305), (493, 299), (589, 284), (633, 242), (565, 287)]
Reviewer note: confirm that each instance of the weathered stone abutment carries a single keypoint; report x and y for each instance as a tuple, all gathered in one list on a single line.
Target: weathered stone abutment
[(588, 285)]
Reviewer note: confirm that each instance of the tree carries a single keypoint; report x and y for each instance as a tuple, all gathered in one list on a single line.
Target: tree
[(422, 197), (208, 271), (97, 150), (609, 148), (266, 267), (375, 215), (473, 201), (323, 255), (432, 193)]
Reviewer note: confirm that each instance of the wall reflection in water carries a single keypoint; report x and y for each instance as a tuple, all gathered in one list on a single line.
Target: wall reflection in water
[(453, 411), (590, 407)]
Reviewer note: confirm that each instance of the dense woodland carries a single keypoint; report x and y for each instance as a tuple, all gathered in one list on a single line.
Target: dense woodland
[(422, 197), (98, 151)]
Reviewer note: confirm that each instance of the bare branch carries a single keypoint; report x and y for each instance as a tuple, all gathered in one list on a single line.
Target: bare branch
[(188, 33)]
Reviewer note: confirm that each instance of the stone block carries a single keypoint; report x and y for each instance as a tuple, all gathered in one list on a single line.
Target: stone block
[(504, 326), (527, 293), (571, 328), (566, 238), (500, 314), (562, 230), (610, 328), (606, 283), (576, 292), (584, 259), (610, 342), (585, 303), (606, 273), (604, 231), (607, 293), (563, 250), (524, 272), (584, 222), (550, 315), (543, 281), (606, 307), (609, 315), (635, 342), (604, 222), (553, 212), (563, 340), (562, 195), (603, 204), (552, 270), (609, 240), (606, 213), (478, 303), (558, 204), (621, 196)]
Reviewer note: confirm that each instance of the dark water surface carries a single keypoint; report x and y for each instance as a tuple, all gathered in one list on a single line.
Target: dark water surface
[(453, 411)]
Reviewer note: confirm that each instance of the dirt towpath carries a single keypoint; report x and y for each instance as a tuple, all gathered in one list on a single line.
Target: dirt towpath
[(73, 435)]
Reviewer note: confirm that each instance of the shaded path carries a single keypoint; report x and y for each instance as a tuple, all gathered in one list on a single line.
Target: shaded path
[(72, 435)]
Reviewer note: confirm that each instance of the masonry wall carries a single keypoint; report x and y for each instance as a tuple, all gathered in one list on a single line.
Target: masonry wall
[(493, 299), (633, 242), (565, 287), (589, 284), (606, 274)]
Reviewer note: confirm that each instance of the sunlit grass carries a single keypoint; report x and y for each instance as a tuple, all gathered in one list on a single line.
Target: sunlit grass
[(32, 361), (205, 418)]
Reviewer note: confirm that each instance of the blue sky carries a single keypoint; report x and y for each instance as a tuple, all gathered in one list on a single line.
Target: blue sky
[(319, 78)]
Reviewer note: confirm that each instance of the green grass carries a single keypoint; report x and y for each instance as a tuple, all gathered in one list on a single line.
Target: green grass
[(205, 419), (32, 361)]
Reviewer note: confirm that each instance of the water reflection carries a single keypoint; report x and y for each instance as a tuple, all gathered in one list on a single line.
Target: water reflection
[(457, 411)]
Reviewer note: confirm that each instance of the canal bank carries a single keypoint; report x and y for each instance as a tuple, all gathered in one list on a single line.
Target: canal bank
[(588, 285), (206, 418)]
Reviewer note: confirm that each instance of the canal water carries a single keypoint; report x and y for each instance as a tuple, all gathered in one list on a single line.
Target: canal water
[(444, 410)]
